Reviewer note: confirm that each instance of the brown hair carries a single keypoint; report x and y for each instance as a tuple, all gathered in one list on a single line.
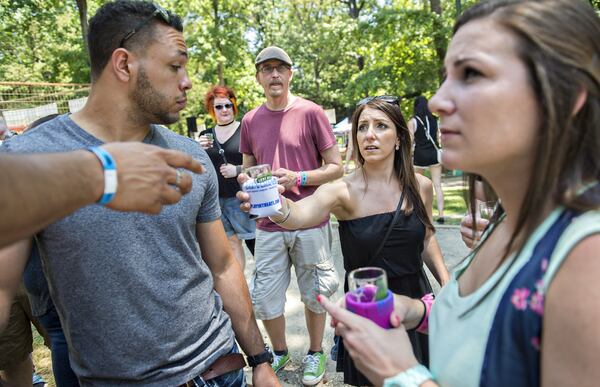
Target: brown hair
[(403, 167), (222, 92), (558, 41)]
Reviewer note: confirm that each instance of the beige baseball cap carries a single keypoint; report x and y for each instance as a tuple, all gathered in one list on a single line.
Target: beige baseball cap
[(272, 52)]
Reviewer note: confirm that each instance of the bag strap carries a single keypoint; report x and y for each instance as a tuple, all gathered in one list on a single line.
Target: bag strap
[(427, 130), (389, 230)]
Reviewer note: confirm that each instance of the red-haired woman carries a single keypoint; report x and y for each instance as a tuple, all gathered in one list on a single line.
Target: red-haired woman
[(222, 143)]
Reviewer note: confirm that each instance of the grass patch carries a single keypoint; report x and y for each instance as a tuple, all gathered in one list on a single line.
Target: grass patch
[(42, 359), (454, 204)]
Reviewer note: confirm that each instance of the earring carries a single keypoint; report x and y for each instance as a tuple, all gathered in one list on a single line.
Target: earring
[(397, 146)]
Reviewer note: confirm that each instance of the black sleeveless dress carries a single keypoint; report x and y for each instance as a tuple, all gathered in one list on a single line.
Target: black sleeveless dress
[(426, 145), (401, 259)]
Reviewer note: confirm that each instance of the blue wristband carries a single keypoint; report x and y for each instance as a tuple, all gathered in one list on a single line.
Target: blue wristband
[(110, 174), (303, 178)]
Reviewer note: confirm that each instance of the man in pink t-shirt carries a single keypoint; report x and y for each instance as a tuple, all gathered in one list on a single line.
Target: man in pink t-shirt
[(292, 135)]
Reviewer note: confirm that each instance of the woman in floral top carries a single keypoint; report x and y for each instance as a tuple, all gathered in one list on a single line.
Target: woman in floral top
[(520, 107)]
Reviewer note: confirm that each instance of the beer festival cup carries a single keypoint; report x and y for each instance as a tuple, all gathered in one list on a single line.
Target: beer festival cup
[(209, 136), (486, 210), (369, 295), (262, 188)]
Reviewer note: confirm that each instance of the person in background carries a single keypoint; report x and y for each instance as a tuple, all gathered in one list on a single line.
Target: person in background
[(471, 233), (520, 108), (294, 137), (424, 127), (223, 147)]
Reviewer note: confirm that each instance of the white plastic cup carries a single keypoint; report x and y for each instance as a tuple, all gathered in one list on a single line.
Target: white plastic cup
[(262, 187)]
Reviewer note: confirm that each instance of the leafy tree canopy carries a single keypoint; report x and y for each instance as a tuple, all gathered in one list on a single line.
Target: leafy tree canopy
[(342, 50)]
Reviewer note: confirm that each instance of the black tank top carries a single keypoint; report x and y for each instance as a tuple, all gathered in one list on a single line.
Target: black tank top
[(401, 254)]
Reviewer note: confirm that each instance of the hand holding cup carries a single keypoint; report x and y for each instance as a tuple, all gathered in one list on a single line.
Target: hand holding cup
[(369, 295), (206, 140), (262, 192), (486, 210)]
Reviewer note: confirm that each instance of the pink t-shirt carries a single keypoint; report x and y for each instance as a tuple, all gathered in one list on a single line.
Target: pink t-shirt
[(292, 139)]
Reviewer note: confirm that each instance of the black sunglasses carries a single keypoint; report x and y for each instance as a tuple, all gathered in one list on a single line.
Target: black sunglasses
[(226, 106), (385, 98), (159, 11)]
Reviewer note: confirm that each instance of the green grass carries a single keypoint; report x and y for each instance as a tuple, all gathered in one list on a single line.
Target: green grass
[(454, 204), (42, 359)]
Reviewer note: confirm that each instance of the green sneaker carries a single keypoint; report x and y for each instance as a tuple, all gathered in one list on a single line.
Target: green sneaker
[(280, 361), (314, 368)]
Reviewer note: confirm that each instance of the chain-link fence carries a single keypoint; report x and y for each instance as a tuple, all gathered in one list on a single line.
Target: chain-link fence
[(22, 103)]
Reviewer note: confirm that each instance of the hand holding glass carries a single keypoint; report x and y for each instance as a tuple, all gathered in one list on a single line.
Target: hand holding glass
[(206, 140), (369, 295), (486, 210)]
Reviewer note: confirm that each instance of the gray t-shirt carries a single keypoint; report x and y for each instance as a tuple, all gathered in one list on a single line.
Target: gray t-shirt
[(134, 296)]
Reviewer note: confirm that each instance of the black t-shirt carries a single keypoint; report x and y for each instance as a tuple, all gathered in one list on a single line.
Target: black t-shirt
[(227, 187)]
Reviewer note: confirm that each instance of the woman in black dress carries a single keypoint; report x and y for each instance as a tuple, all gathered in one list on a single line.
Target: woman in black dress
[(222, 143), (427, 154), (364, 202)]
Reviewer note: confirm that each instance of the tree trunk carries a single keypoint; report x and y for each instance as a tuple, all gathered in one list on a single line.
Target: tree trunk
[(439, 39), (217, 35), (83, 20), (354, 8)]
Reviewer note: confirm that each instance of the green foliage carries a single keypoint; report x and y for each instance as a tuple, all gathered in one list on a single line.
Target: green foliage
[(343, 50), (40, 40)]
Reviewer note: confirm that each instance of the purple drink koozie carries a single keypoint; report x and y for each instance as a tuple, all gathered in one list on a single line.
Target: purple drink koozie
[(377, 311)]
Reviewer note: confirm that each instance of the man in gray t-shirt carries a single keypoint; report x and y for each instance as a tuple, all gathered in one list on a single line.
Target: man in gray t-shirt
[(143, 298)]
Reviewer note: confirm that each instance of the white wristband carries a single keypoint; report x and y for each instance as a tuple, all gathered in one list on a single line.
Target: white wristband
[(412, 377), (110, 174)]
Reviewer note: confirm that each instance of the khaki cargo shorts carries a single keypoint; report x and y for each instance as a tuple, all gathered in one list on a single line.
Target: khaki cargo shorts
[(275, 253)]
